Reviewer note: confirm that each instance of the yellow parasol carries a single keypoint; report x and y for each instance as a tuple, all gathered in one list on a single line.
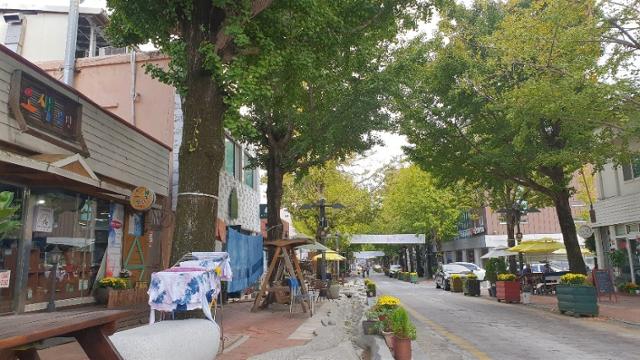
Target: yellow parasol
[(330, 256), (542, 246), (563, 251)]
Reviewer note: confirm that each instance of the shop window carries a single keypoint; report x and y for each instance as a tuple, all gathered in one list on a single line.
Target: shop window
[(229, 157), (632, 170), (249, 173), (69, 223), (10, 234)]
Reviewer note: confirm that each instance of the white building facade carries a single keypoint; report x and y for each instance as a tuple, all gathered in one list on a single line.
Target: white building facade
[(618, 217)]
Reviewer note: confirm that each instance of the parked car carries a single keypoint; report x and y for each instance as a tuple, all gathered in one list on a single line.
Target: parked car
[(480, 272), (538, 268), (394, 268), (443, 275)]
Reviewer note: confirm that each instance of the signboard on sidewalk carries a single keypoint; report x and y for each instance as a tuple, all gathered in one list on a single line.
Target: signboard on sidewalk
[(603, 281)]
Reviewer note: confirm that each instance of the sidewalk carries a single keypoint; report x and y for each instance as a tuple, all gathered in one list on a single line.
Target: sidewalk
[(245, 333), (250, 333), (626, 309)]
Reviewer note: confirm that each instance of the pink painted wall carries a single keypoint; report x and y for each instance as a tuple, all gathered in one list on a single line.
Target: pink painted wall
[(107, 81)]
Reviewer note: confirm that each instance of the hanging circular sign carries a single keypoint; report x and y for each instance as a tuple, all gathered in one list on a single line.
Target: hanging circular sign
[(142, 198), (585, 231)]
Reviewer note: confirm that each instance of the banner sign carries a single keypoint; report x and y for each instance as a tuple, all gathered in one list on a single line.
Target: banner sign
[(114, 246), (5, 278), (43, 219)]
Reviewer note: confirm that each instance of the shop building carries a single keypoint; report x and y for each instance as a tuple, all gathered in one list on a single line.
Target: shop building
[(617, 225), (120, 84), (115, 79), (481, 229), (71, 167)]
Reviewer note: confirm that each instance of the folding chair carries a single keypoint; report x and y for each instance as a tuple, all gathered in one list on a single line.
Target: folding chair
[(297, 296)]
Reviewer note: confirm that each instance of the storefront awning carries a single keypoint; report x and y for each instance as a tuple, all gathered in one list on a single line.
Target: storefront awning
[(53, 170)]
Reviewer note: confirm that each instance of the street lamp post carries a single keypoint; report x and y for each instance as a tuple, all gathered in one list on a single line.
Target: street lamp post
[(54, 255), (321, 205)]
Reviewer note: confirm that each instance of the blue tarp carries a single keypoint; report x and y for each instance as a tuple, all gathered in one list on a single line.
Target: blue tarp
[(245, 252)]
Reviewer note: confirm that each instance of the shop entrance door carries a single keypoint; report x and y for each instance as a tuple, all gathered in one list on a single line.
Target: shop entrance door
[(10, 234)]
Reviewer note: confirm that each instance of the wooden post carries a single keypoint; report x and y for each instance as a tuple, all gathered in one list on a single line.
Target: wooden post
[(265, 280)]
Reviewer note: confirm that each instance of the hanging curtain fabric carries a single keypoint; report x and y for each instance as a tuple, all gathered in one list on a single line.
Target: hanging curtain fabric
[(245, 252)]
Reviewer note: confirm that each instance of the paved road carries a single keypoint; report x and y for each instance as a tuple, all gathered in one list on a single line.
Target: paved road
[(453, 326)]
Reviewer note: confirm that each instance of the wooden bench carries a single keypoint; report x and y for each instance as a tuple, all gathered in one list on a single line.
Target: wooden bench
[(90, 327)]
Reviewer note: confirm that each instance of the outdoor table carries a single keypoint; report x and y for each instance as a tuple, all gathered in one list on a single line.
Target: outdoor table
[(180, 289), (90, 327)]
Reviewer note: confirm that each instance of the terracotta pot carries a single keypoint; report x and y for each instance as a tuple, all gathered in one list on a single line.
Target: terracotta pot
[(401, 348), (388, 338)]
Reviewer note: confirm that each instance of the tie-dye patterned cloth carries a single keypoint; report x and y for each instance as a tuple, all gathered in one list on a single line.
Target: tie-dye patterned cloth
[(182, 289)]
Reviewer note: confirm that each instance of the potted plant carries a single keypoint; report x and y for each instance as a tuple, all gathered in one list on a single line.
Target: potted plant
[(577, 296), (371, 288), (333, 292), (403, 332), (413, 277), (456, 283), (507, 288), (471, 285), (105, 286), (385, 306), (632, 288), (493, 268), (370, 326)]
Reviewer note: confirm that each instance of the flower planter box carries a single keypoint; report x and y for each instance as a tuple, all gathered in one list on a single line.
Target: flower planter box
[(369, 327), (577, 299), (456, 285), (508, 291), (119, 298), (472, 287)]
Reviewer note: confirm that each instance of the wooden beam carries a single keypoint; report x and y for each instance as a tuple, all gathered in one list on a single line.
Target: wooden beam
[(265, 281)]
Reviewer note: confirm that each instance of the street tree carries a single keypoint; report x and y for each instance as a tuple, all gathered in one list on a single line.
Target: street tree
[(204, 38), (413, 202), (316, 86), (334, 186), (511, 91)]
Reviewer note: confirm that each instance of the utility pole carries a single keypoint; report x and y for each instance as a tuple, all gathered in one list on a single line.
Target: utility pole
[(323, 226), (72, 36)]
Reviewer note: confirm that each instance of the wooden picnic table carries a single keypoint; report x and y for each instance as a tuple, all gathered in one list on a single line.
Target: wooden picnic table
[(90, 327)]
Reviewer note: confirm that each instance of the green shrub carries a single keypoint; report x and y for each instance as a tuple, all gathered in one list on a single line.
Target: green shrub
[(618, 258), (495, 267), (401, 325)]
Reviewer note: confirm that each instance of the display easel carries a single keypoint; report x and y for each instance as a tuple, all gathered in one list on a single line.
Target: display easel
[(284, 258)]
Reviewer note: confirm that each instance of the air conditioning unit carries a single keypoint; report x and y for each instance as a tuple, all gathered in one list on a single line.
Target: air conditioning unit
[(110, 50)]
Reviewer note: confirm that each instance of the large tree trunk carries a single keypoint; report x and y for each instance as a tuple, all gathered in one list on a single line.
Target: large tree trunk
[(568, 228), (275, 176), (202, 150), (511, 242)]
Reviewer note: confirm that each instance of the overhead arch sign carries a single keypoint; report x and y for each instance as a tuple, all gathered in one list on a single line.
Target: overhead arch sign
[(392, 239)]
